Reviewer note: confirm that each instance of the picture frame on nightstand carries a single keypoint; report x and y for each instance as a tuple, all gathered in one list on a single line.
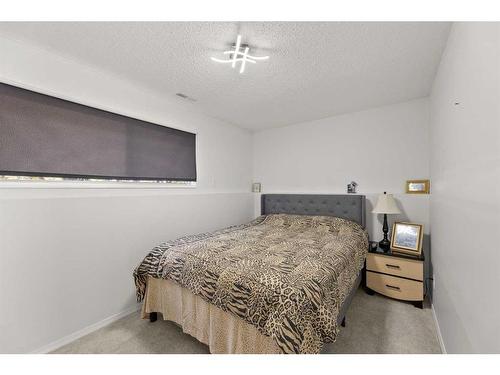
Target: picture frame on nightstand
[(407, 238)]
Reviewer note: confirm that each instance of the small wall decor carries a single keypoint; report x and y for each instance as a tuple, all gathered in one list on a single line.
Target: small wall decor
[(418, 186), (256, 187), (351, 188), (407, 238)]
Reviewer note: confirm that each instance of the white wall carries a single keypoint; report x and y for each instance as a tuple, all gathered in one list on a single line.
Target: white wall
[(67, 254), (465, 204), (379, 148)]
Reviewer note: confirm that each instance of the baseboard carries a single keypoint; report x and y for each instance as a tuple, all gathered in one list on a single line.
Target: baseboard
[(440, 338), (85, 331)]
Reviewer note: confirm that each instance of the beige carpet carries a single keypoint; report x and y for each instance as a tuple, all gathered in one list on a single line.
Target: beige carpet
[(375, 324)]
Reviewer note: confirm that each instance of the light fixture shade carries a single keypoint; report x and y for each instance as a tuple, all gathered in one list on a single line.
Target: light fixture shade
[(386, 205)]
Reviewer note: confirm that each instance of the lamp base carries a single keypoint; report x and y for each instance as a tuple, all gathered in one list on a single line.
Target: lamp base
[(385, 245)]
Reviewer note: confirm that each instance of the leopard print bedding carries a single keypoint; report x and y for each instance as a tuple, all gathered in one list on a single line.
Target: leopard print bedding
[(287, 275)]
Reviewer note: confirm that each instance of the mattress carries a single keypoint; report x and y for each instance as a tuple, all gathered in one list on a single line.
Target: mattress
[(285, 275)]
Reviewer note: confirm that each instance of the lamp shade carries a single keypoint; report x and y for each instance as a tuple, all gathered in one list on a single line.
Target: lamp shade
[(386, 205)]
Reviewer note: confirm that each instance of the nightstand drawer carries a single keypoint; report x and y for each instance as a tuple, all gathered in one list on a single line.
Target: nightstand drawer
[(395, 287), (409, 268)]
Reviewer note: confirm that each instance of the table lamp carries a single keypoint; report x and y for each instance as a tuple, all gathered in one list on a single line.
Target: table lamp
[(386, 205)]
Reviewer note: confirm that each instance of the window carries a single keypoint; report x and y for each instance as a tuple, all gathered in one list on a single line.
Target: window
[(47, 137)]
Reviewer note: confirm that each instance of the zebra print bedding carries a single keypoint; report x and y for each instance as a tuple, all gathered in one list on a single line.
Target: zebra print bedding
[(287, 275)]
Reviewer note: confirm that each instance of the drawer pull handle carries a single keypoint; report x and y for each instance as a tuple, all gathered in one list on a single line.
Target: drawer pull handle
[(392, 266), (392, 287)]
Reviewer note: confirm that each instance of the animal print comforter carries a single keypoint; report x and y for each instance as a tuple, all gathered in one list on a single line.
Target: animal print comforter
[(287, 275)]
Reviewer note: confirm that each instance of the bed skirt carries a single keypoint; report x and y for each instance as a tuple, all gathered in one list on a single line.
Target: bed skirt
[(223, 332)]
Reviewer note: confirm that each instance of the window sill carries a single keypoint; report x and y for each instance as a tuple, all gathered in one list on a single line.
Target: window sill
[(93, 185)]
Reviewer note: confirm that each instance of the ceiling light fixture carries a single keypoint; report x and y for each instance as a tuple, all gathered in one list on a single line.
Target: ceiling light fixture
[(236, 55)]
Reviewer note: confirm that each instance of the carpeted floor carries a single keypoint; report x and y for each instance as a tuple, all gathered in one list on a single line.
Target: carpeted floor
[(375, 324)]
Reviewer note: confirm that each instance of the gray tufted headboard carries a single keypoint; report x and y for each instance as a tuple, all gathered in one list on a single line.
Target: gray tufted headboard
[(351, 207)]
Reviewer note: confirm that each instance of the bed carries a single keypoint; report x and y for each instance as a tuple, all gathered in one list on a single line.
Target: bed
[(279, 284)]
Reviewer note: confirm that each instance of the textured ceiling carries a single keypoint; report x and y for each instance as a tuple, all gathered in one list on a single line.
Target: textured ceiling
[(315, 69)]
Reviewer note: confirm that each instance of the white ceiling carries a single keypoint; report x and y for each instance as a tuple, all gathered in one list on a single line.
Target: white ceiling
[(315, 70)]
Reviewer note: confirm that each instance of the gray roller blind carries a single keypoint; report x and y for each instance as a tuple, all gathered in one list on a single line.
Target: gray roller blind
[(45, 136)]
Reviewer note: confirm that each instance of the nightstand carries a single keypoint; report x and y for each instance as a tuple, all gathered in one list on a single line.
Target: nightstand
[(395, 275)]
